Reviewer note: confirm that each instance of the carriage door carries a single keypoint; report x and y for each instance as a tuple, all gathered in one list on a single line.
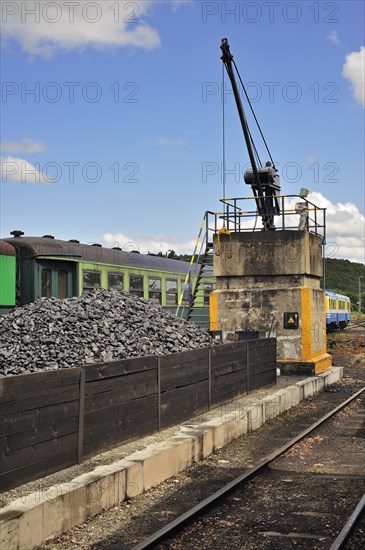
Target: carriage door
[(57, 279), (62, 284)]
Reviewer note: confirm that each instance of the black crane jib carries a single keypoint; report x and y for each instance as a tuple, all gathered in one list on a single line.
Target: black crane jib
[(264, 180)]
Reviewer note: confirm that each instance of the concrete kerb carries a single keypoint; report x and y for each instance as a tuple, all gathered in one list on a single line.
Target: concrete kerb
[(28, 521)]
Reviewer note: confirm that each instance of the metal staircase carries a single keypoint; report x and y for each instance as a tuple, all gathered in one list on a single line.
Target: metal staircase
[(199, 282), (198, 307)]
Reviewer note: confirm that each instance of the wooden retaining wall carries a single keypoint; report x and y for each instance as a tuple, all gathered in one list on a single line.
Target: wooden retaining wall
[(53, 420)]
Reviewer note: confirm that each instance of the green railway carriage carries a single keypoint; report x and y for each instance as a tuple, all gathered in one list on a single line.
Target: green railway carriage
[(51, 267), (7, 277)]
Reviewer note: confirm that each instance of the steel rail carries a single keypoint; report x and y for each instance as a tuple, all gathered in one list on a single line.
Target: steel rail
[(179, 522), (347, 528)]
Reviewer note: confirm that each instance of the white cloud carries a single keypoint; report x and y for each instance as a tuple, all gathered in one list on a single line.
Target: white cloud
[(332, 37), (167, 141), (177, 3), (23, 146), (60, 25), (21, 171), (345, 229), (149, 243), (311, 159), (354, 70)]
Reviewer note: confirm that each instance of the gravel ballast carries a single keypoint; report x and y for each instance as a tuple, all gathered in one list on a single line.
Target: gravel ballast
[(103, 325)]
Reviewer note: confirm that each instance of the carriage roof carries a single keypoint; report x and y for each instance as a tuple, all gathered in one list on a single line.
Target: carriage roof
[(45, 247)]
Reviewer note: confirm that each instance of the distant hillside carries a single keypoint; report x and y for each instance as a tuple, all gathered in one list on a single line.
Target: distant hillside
[(342, 276)]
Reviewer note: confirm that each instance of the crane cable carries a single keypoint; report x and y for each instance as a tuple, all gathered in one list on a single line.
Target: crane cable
[(224, 137), (258, 160), (253, 113), (257, 157), (223, 99)]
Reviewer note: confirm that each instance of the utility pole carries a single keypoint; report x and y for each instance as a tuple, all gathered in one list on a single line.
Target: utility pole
[(361, 276)]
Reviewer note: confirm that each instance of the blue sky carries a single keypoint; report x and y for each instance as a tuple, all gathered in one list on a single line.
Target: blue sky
[(112, 115)]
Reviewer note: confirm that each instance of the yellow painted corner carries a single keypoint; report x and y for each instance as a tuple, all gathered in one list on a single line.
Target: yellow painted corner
[(306, 324), (323, 363), (213, 310)]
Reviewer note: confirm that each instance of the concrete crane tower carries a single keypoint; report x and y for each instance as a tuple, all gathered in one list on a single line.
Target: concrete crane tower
[(268, 278)]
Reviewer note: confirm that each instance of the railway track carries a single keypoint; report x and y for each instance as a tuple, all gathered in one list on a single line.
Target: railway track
[(357, 322), (282, 486)]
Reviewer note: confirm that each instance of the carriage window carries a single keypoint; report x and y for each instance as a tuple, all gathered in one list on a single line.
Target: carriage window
[(171, 292), (154, 290), (186, 289), (116, 280), (136, 285), (62, 284), (332, 303), (46, 283), (91, 279), (208, 287)]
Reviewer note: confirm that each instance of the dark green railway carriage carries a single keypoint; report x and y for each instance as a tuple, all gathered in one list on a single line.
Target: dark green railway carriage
[(7, 277), (50, 267)]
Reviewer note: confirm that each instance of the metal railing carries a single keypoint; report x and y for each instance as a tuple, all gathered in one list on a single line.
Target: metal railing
[(237, 217)]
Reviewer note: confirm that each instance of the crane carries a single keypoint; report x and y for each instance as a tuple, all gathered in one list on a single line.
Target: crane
[(264, 180)]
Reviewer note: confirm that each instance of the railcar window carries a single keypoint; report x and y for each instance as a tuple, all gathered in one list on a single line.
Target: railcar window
[(187, 295), (116, 280), (208, 287), (91, 279), (62, 284), (341, 304), (136, 285), (46, 283), (154, 290), (171, 292), (332, 303)]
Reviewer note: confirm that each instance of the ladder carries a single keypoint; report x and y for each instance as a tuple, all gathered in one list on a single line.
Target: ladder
[(199, 282), (198, 308)]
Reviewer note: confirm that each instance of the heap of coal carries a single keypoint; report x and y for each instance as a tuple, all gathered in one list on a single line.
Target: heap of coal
[(103, 325)]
